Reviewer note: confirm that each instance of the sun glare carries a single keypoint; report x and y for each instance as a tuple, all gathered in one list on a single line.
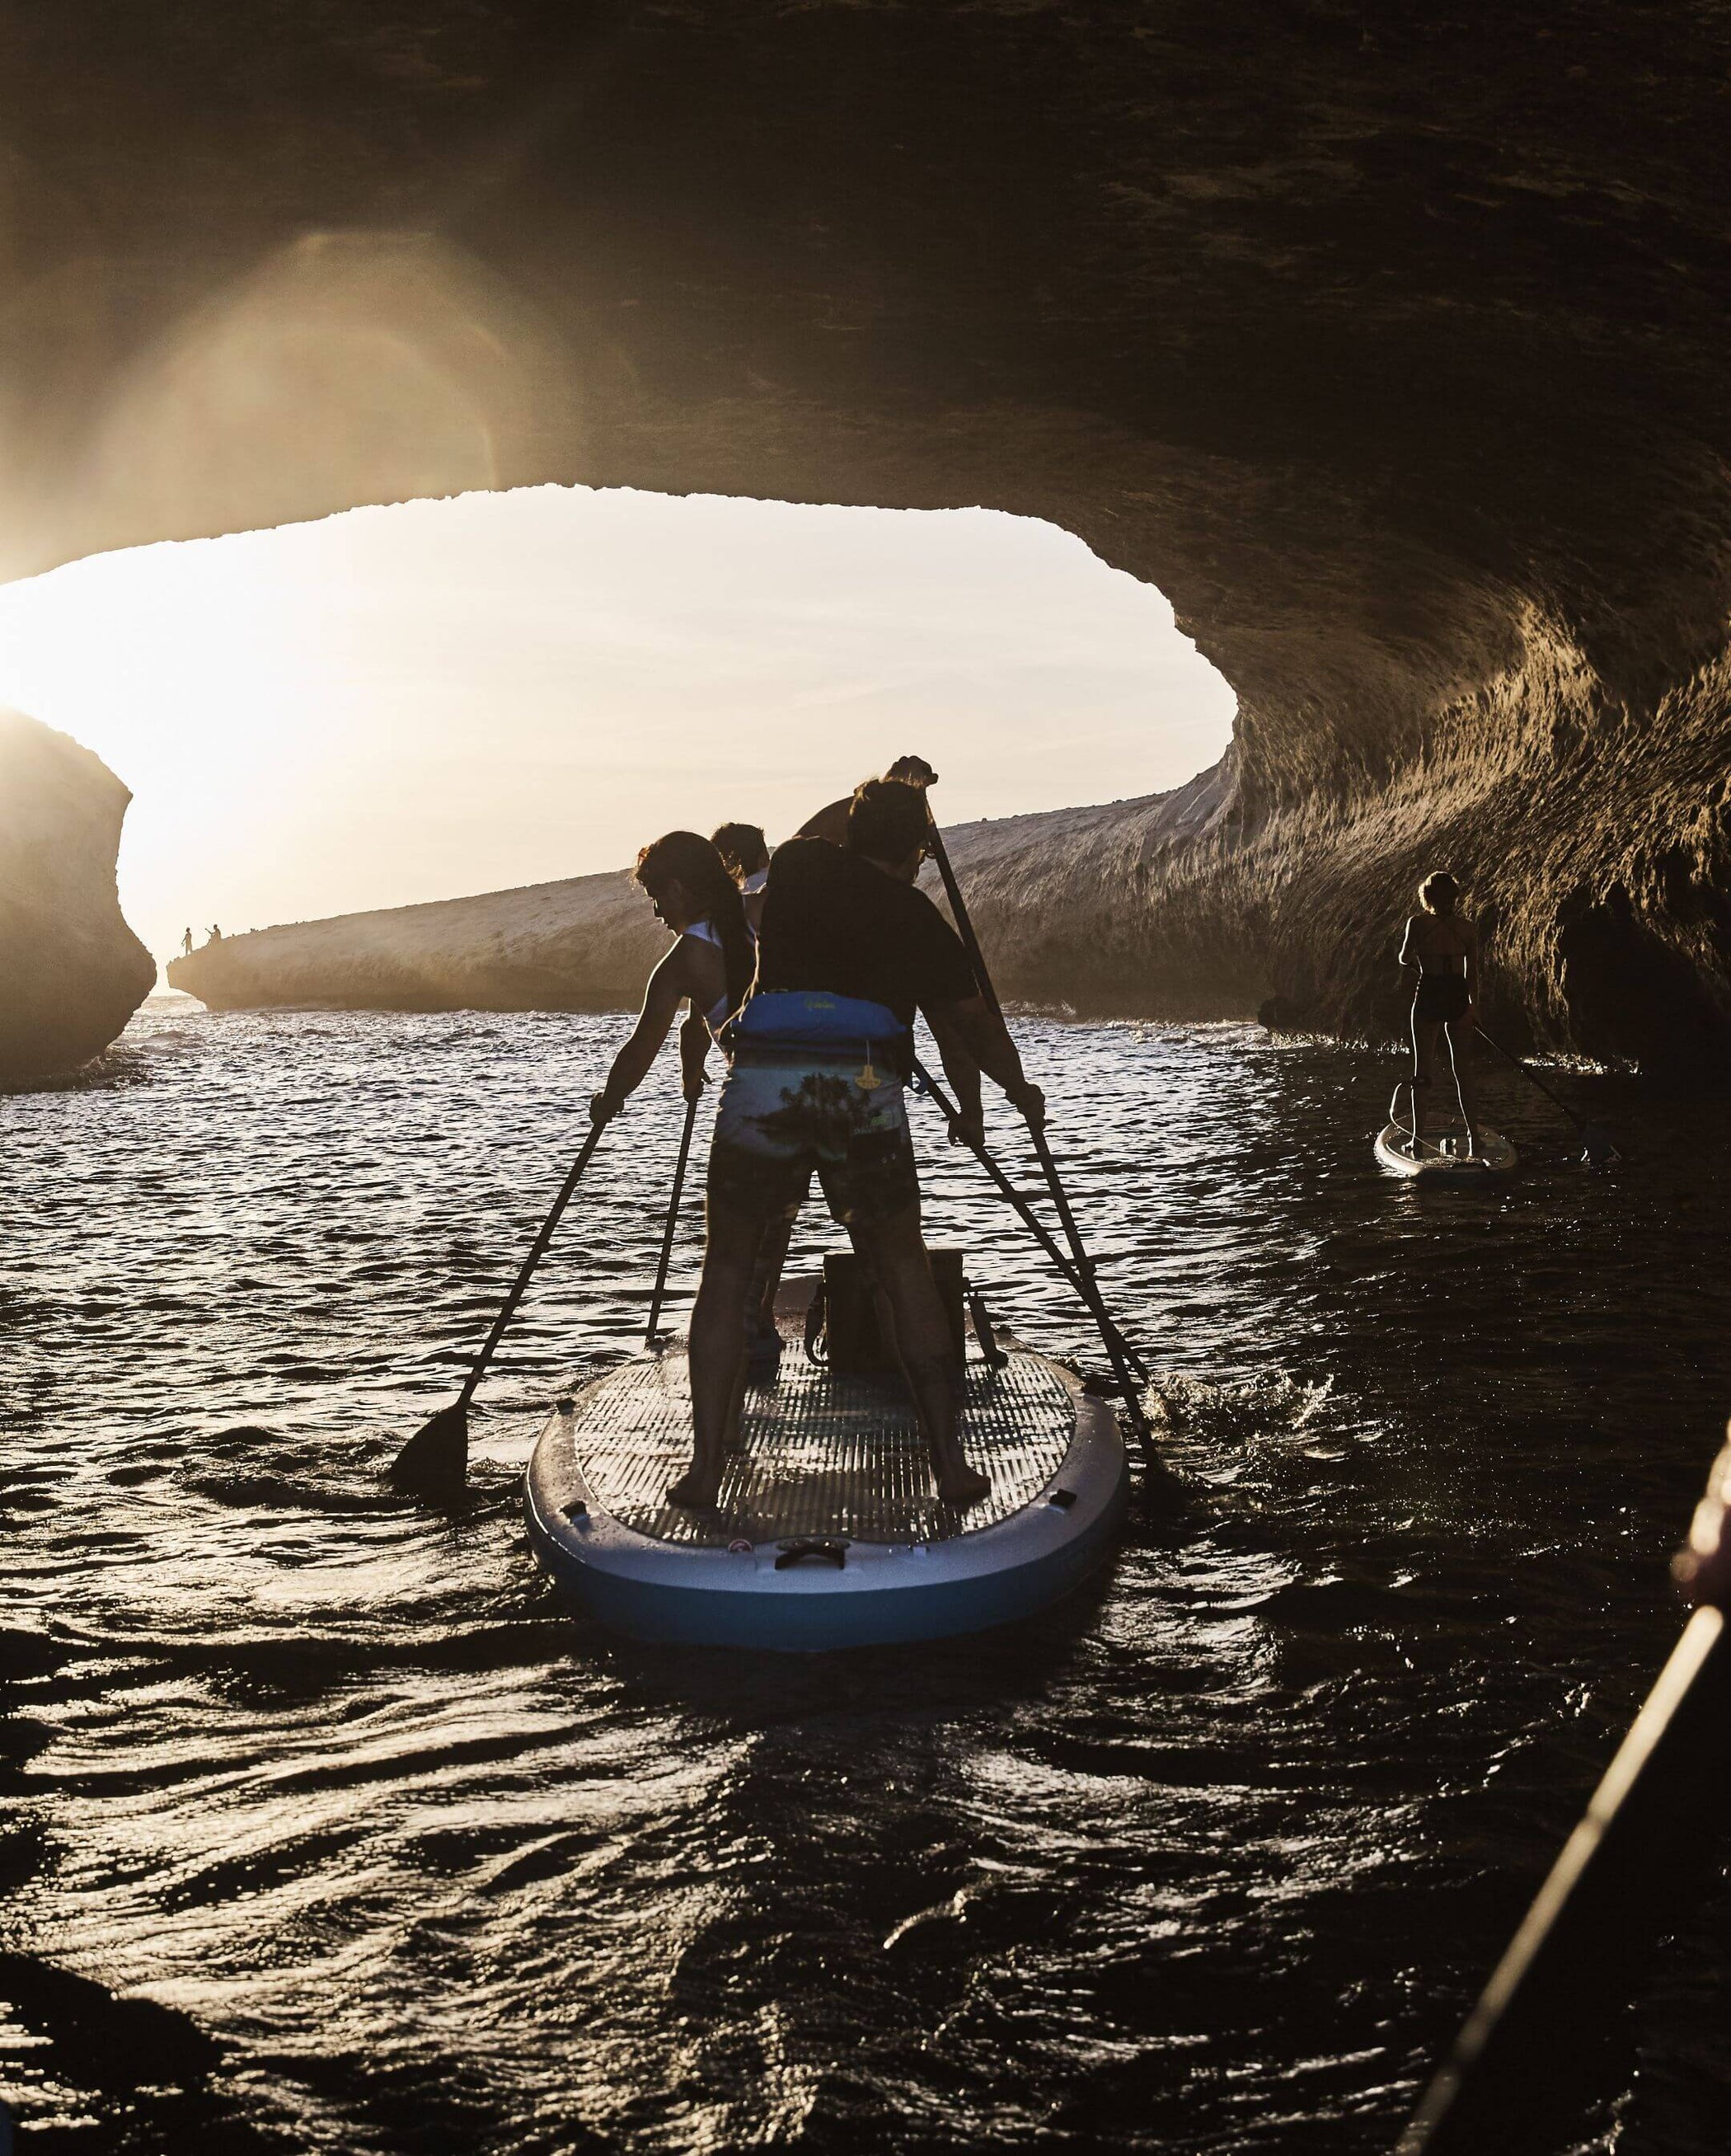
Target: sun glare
[(450, 696)]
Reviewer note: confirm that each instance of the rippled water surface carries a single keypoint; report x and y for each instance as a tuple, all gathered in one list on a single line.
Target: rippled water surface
[(369, 1846)]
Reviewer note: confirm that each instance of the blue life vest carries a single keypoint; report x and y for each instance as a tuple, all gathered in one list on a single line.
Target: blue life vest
[(812, 1017)]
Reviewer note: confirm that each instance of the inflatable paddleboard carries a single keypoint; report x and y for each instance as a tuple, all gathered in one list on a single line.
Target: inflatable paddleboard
[(1495, 1157), (828, 1531)]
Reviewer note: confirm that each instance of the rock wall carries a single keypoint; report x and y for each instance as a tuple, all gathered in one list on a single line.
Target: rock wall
[(1057, 898), (586, 944), (1388, 342), (71, 972)]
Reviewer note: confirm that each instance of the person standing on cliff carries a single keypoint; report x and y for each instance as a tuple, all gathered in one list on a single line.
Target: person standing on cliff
[(848, 951), (1440, 951), (186, 944)]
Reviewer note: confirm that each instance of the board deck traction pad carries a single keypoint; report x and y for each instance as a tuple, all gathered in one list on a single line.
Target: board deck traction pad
[(820, 1455), (1496, 1156)]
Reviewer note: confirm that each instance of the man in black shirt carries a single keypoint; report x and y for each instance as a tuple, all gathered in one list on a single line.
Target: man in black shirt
[(848, 951)]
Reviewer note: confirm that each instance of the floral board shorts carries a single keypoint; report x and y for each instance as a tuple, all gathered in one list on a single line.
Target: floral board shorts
[(785, 1112)]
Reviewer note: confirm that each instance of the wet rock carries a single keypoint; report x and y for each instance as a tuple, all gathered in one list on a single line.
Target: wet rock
[(1390, 346), (110, 2042), (71, 972)]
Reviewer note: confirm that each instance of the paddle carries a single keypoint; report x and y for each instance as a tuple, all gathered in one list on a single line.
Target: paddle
[(1111, 1338), (1599, 1148), (650, 1333), (1513, 2081), (1081, 1283), (436, 1458)]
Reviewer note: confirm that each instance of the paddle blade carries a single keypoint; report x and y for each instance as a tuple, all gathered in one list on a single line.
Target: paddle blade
[(436, 1458), (1599, 1148)]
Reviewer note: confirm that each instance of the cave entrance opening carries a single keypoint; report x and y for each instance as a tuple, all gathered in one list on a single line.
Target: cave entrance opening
[(445, 697)]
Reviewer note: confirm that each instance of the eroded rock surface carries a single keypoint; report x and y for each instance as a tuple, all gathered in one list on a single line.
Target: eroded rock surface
[(1056, 899), (584, 944), (71, 972), (1389, 342)]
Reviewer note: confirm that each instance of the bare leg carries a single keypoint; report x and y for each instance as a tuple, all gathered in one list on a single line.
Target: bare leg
[(1424, 1068), (766, 1277), (718, 1319), (896, 1255), (1460, 1056)]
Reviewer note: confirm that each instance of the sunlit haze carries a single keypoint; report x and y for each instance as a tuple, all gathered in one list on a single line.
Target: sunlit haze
[(456, 696)]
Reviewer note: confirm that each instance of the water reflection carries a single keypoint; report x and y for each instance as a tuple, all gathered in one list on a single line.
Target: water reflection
[(1209, 1859)]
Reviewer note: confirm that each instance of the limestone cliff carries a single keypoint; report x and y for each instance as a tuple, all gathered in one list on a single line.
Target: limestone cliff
[(71, 972), (586, 944), (1388, 342), (1056, 897)]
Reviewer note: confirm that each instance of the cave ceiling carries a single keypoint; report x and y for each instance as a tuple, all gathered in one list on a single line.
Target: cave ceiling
[(1388, 341)]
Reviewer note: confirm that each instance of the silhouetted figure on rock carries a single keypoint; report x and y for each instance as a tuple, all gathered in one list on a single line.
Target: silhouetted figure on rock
[(215, 935), (186, 944), (1441, 948)]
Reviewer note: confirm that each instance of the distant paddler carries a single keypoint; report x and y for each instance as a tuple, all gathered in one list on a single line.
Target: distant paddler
[(848, 951), (709, 967), (1440, 950)]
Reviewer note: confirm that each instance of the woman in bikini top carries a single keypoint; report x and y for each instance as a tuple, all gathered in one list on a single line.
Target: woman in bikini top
[(1440, 947), (710, 966)]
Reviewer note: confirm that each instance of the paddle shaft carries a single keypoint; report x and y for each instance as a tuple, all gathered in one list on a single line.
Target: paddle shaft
[(673, 1219), (1111, 1338), (1644, 1848), (537, 1250), (1578, 1121), (1080, 1282)]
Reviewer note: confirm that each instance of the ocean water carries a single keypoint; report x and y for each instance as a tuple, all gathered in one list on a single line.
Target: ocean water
[(329, 1829)]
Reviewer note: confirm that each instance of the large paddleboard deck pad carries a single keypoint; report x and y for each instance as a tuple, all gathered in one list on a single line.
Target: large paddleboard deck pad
[(1396, 1150), (828, 1531)]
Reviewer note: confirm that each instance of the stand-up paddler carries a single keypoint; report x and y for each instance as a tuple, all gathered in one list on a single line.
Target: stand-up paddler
[(848, 951)]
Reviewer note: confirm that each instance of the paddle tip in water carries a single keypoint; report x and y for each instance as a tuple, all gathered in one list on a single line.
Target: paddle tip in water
[(435, 1461)]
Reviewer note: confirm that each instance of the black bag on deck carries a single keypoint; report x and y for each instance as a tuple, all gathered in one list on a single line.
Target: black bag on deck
[(855, 1344)]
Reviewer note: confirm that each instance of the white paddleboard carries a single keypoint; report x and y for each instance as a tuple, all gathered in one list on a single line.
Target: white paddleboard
[(828, 1533), (1396, 1151)]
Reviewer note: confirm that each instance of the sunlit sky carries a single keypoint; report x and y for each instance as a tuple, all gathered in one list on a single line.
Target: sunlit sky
[(456, 696)]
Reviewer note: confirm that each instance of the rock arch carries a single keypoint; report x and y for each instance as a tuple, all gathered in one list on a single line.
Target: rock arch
[(1388, 342)]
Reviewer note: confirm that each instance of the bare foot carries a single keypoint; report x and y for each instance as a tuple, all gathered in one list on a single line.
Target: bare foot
[(695, 1491), (962, 1486)]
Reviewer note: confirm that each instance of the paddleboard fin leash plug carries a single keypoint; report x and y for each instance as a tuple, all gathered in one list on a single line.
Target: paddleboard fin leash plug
[(435, 1461)]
